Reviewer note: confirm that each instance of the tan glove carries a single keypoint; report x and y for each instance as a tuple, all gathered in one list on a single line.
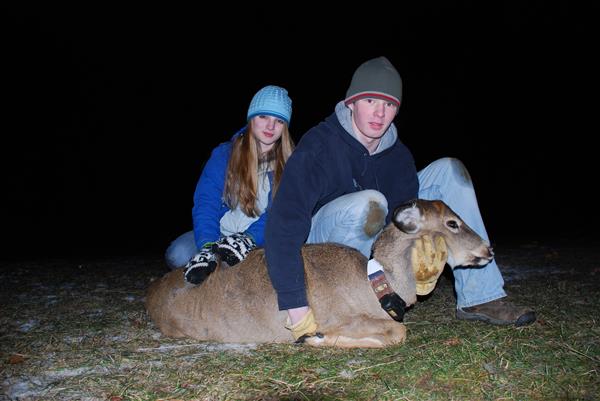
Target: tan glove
[(428, 262), (305, 327)]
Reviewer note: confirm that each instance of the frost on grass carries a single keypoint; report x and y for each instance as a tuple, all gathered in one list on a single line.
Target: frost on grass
[(83, 334), (204, 347)]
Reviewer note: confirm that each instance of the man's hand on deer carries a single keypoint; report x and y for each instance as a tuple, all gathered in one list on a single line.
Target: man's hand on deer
[(304, 328), (428, 261)]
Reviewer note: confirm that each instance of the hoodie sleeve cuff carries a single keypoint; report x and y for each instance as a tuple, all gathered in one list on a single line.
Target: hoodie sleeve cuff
[(292, 299)]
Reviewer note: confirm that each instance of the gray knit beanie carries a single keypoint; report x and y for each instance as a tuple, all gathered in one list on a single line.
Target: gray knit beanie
[(375, 78)]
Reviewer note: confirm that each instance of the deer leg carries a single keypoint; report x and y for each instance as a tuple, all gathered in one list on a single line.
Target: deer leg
[(361, 332)]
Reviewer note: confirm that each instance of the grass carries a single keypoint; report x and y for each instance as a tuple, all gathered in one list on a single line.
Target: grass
[(77, 330)]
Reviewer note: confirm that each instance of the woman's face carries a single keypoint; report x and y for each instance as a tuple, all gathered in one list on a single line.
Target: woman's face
[(266, 130)]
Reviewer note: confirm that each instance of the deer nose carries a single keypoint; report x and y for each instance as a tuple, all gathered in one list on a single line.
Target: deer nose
[(487, 256), (483, 258)]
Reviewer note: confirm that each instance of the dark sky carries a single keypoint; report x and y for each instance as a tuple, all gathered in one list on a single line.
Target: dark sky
[(109, 113)]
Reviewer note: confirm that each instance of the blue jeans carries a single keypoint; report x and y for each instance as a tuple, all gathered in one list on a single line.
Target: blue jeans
[(342, 221), (181, 250)]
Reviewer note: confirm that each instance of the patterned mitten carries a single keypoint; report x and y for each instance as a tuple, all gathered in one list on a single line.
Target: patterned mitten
[(201, 265), (234, 248)]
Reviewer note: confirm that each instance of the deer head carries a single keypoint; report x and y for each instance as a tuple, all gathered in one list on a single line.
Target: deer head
[(465, 246), (414, 220)]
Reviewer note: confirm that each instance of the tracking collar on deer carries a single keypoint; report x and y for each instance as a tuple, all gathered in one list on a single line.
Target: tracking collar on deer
[(389, 300)]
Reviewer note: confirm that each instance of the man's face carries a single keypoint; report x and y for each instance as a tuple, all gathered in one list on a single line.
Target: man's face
[(372, 117)]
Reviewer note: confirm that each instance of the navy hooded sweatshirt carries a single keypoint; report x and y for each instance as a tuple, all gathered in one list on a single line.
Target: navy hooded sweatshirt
[(327, 163)]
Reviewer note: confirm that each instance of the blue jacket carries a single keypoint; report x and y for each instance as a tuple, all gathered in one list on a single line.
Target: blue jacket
[(327, 163), (209, 206)]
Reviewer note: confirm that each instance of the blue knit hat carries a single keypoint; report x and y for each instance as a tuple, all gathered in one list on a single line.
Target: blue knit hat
[(271, 101)]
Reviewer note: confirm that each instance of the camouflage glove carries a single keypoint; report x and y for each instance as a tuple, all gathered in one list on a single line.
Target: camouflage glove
[(428, 261), (306, 327), (201, 265), (234, 248)]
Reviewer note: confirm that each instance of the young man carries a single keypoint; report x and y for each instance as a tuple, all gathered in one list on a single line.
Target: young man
[(343, 174)]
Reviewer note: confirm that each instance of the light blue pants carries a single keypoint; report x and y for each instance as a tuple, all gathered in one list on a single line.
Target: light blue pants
[(447, 179), (342, 220), (181, 250)]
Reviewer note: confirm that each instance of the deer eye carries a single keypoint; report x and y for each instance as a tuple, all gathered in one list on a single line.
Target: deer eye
[(452, 224)]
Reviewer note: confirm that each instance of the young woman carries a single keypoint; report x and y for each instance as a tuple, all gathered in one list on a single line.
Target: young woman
[(235, 189)]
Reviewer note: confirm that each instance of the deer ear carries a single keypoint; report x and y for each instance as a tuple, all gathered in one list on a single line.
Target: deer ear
[(407, 217)]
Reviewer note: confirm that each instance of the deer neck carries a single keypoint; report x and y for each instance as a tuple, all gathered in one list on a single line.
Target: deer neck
[(392, 251)]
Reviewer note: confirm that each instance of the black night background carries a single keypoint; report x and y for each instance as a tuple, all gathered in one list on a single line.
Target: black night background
[(109, 113)]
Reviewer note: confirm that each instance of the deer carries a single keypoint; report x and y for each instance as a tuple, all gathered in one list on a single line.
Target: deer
[(239, 305)]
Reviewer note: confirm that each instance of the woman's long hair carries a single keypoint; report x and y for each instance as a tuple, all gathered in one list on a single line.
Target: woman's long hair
[(241, 182)]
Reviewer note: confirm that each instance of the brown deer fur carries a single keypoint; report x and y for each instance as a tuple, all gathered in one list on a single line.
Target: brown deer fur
[(238, 304)]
